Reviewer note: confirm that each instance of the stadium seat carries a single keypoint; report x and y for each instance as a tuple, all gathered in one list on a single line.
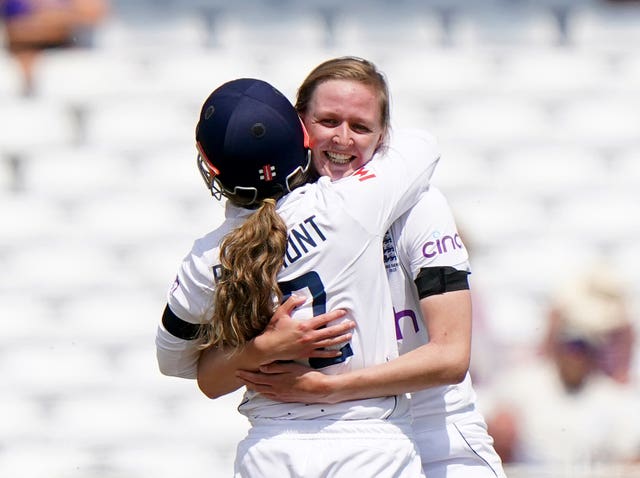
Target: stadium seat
[(62, 265), (79, 77), (493, 121), (606, 27), (130, 220), (505, 25), (30, 122), (551, 172), (41, 457), (378, 33), (11, 80), (604, 216), (493, 218), (28, 220), (256, 30), (69, 176), (62, 368), (137, 125), (439, 76), (553, 75), (604, 121), (147, 30)]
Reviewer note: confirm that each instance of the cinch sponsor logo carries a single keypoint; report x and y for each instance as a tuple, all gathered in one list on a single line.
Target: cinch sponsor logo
[(441, 245), (405, 314)]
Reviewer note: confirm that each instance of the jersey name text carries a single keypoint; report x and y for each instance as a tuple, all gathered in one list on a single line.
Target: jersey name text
[(303, 237)]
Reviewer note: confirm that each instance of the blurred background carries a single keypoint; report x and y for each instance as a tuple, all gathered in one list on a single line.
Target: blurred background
[(536, 104)]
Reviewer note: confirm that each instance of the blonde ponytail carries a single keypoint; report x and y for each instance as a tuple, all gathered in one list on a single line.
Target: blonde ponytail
[(247, 294)]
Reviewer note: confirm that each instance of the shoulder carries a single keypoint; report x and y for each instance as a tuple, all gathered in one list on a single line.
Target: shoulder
[(413, 140), (433, 205), (434, 200)]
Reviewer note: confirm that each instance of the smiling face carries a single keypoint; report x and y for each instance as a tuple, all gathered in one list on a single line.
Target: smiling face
[(344, 123)]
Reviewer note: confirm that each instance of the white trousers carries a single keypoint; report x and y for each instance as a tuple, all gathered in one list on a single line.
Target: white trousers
[(457, 447), (328, 449)]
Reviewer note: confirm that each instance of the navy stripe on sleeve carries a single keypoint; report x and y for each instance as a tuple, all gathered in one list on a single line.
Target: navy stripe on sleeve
[(438, 280), (178, 327)]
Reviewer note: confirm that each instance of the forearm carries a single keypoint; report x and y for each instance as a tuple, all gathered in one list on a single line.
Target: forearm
[(427, 366), (217, 368)]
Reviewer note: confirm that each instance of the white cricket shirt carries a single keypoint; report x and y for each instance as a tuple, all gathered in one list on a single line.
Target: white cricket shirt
[(425, 236), (334, 257)]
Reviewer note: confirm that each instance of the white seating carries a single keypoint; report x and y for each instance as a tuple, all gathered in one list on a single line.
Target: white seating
[(190, 76), (170, 172), (549, 171), (534, 265), (139, 125), (553, 74), (28, 123), (39, 458), (606, 27), (625, 170), (62, 267), (7, 176), (463, 171), (33, 318), (83, 76), (28, 220), (172, 459), (64, 367), (11, 80), (132, 220), (113, 319), (71, 175), (506, 25), (600, 121), (439, 76), (493, 121), (147, 31), (604, 216), (257, 29), (627, 74), (375, 32), (21, 418), (514, 318), (491, 219)]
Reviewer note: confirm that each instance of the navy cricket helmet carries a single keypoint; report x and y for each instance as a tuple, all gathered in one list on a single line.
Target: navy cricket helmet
[(251, 142)]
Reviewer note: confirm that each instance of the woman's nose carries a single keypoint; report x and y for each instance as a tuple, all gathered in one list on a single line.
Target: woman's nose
[(342, 136)]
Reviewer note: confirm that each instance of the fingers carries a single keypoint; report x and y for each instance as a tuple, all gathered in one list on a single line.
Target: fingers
[(335, 334), (324, 353), (324, 319), (291, 303)]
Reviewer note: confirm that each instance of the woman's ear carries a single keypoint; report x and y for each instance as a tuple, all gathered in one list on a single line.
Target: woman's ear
[(307, 139)]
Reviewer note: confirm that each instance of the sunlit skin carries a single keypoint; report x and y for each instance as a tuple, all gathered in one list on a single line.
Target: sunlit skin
[(345, 127)]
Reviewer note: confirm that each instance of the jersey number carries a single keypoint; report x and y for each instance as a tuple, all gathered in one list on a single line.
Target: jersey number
[(311, 280)]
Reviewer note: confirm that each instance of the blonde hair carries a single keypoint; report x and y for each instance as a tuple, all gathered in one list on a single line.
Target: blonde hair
[(353, 69), (247, 293)]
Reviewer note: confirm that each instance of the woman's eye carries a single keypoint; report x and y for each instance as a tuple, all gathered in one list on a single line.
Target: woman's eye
[(359, 128)]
